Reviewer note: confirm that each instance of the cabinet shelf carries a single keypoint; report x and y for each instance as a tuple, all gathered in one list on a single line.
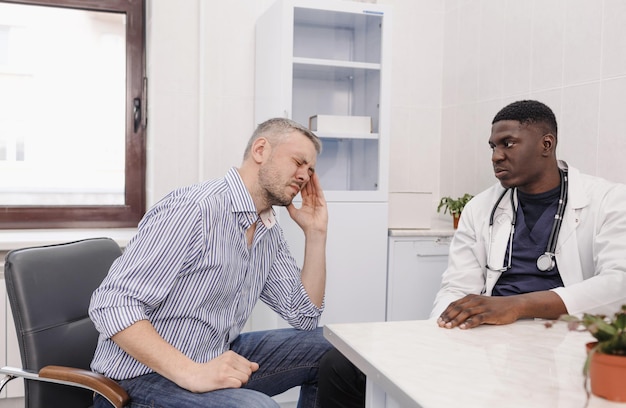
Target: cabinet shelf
[(326, 135), (321, 62), (331, 70)]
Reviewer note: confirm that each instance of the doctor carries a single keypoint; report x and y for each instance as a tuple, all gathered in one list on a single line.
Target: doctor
[(544, 241)]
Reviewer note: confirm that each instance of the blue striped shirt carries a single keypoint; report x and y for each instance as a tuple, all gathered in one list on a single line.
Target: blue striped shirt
[(191, 273)]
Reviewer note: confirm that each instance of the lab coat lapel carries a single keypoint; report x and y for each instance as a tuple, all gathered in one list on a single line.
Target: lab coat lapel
[(570, 266)]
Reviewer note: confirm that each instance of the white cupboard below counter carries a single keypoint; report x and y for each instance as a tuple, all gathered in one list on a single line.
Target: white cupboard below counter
[(416, 262)]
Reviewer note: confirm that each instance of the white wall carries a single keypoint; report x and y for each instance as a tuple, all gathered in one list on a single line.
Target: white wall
[(201, 88), (455, 64), (569, 54)]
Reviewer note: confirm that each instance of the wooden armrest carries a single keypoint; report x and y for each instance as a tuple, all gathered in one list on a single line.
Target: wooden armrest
[(94, 381)]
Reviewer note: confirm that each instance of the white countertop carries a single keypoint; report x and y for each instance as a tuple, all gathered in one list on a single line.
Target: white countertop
[(438, 228), (521, 365)]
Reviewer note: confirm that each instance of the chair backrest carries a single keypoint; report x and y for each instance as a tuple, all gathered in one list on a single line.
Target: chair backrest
[(49, 289)]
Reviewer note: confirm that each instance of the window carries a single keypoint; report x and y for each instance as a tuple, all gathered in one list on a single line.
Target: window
[(72, 113)]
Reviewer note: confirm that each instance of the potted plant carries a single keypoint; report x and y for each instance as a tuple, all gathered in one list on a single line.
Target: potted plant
[(454, 206), (606, 358)]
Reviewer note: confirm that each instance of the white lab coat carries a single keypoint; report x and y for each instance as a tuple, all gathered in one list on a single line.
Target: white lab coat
[(590, 252)]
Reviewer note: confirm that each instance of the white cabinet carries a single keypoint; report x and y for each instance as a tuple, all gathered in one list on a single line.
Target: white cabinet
[(414, 275), (331, 57), (9, 349), (326, 57)]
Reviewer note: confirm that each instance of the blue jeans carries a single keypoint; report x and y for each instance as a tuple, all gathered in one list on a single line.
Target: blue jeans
[(287, 358)]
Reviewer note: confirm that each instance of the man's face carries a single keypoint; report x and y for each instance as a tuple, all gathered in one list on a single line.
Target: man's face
[(289, 167), (517, 154)]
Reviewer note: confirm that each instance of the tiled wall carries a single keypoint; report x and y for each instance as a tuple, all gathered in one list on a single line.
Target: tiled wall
[(569, 54)]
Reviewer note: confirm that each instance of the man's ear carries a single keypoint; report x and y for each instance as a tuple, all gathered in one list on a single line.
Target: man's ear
[(549, 144), (260, 149)]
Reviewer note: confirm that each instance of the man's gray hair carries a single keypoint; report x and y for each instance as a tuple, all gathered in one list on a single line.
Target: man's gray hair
[(276, 128)]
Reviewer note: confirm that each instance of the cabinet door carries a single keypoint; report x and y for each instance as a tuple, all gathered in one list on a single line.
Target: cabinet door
[(356, 260), (321, 63), (414, 276), (356, 256)]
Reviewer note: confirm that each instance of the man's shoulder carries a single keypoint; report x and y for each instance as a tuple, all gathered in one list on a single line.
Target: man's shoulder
[(203, 194), (597, 184), (202, 190)]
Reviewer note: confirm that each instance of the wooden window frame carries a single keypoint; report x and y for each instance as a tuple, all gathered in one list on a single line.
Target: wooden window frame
[(105, 216)]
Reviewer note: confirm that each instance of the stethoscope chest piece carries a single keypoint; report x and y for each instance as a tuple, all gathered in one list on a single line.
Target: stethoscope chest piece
[(545, 262)]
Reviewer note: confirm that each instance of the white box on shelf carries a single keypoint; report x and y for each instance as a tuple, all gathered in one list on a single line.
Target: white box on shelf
[(340, 124)]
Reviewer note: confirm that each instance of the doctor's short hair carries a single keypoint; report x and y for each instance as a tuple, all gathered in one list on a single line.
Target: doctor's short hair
[(274, 131), (529, 112)]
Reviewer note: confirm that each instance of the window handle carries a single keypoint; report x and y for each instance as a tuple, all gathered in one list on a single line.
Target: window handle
[(136, 113)]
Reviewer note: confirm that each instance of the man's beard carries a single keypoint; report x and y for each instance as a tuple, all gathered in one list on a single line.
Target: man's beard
[(273, 188)]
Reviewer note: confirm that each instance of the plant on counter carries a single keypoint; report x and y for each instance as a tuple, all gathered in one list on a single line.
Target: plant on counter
[(606, 359), (454, 206)]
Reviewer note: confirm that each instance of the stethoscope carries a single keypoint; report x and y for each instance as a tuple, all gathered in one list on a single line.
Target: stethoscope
[(545, 262)]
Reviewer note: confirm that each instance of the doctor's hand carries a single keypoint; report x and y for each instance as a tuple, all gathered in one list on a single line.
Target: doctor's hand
[(474, 310)]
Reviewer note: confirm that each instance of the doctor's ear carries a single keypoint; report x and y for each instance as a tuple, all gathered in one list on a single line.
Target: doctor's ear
[(549, 143)]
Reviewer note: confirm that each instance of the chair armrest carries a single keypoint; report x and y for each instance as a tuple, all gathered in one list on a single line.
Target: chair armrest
[(104, 386), (76, 377)]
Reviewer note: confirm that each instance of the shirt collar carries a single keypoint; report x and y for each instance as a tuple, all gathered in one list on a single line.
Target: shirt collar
[(242, 201)]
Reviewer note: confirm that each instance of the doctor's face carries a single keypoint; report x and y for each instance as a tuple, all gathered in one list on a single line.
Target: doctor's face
[(517, 154)]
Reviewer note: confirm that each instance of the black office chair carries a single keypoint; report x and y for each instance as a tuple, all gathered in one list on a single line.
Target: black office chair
[(49, 290)]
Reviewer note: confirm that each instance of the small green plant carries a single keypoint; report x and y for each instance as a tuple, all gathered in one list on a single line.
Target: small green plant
[(454, 206), (610, 333)]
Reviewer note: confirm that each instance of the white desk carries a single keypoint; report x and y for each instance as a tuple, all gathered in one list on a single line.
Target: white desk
[(417, 364)]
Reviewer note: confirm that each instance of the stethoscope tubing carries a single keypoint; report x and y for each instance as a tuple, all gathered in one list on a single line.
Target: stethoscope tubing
[(556, 226)]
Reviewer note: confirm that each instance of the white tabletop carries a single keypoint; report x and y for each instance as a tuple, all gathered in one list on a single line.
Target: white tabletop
[(419, 364)]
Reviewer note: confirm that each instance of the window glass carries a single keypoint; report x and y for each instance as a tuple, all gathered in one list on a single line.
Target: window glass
[(62, 106), (72, 86)]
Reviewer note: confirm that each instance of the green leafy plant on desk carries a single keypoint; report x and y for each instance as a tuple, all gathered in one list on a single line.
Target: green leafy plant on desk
[(605, 365), (454, 206)]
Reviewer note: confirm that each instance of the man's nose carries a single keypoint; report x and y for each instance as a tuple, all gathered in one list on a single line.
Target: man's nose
[(497, 155), (303, 174)]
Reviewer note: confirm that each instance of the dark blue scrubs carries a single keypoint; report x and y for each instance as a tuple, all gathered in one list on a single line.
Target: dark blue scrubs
[(535, 217)]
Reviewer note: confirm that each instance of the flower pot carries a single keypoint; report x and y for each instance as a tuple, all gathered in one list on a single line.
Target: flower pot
[(607, 374), (455, 220)]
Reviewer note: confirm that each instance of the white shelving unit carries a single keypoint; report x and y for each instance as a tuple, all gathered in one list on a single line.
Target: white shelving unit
[(332, 57)]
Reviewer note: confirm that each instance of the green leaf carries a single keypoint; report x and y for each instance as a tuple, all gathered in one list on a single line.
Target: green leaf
[(598, 327), (620, 321)]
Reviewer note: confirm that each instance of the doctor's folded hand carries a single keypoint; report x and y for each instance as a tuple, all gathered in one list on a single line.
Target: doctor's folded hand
[(473, 310)]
